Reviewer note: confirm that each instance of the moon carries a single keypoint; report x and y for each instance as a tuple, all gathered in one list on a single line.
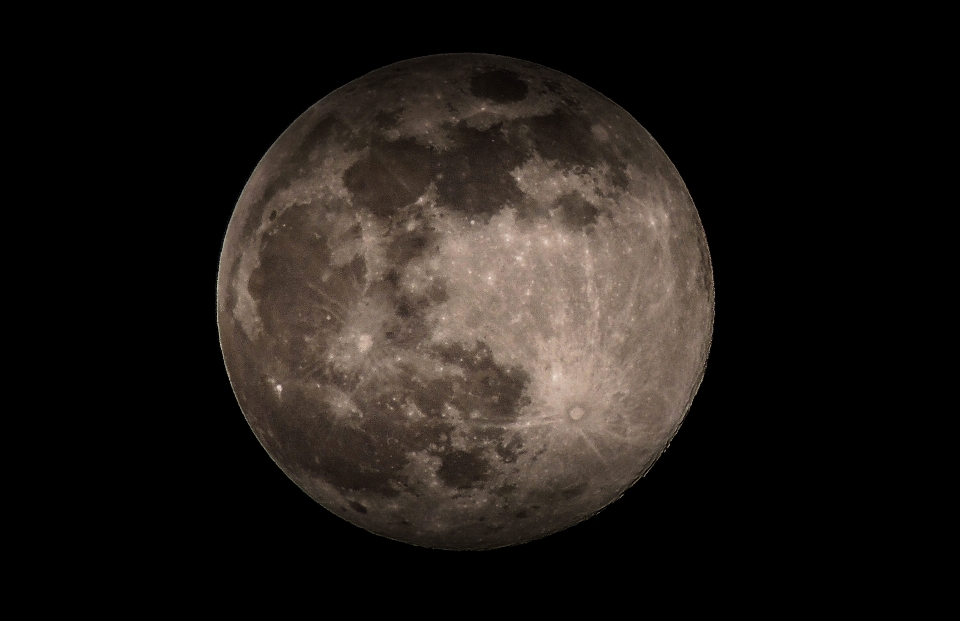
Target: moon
[(465, 301)]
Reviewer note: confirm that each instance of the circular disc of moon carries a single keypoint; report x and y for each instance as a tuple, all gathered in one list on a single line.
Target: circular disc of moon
[(465, 301)]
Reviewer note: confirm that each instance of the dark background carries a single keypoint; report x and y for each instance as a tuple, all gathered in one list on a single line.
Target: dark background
[(724, 490), (787, 125)]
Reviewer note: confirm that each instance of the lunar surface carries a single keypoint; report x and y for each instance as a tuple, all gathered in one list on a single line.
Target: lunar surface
[(465, 301)]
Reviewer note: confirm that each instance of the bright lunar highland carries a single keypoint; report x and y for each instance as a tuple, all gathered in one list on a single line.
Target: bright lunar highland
[(465, 301)]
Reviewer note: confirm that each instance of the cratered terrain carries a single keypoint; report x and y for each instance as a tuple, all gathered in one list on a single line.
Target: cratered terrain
[(465, 301)]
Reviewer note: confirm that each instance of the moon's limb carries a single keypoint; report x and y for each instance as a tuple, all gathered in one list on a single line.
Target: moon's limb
[(465, 301)]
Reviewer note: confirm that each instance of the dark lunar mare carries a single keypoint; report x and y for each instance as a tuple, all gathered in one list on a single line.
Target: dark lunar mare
[(498, 85)]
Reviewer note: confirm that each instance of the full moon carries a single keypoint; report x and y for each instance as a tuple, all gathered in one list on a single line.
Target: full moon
[(465, 301)]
